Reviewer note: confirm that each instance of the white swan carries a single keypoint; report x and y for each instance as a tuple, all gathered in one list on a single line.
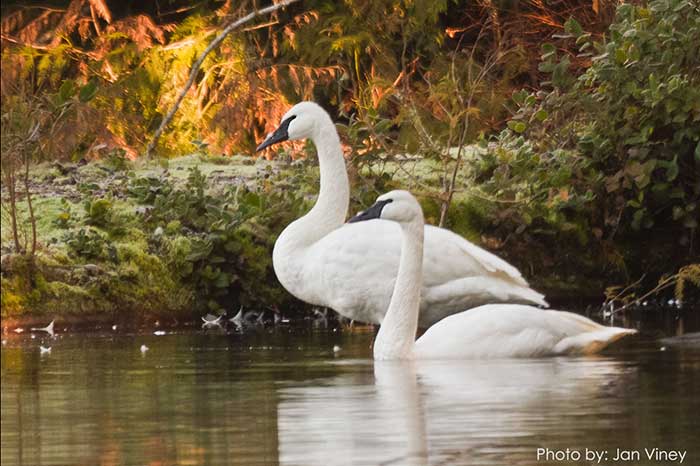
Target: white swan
[(488, 331), (351, 268)]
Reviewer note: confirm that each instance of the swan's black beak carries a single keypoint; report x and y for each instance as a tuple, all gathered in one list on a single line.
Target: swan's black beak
[(279, 135), (373, 212)]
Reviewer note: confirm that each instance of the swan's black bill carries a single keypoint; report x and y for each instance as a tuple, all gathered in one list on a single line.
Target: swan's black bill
[(279, 135), (373, 212)]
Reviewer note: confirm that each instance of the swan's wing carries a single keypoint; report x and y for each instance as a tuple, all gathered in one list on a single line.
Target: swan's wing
[(489, 331), (443, 245), (439, 301), (353, 270), (508, 330)]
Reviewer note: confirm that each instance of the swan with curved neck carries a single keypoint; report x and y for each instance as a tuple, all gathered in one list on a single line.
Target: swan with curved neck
[(352, 268), (488, 331)]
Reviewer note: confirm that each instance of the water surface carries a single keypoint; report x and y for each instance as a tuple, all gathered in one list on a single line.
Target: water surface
[(285, 397)]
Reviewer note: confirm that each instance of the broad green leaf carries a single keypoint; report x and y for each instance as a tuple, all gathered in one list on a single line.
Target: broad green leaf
[(573, 27), (517, 126)]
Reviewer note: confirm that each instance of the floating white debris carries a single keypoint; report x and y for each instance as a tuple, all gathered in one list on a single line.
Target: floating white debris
[(211, 321), (19, 330), (663, 348), (44, 350), (48, 329), (114, 327), (144, 348), (336, 349), (238, 318), (159, 332)]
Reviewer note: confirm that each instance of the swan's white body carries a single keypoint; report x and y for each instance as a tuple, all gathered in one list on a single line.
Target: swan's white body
[(514, 330), (352, 268), (488, 331)]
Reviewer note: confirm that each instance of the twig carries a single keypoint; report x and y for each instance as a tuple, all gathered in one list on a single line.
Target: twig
[(195, 68), (660, 287), (625, 290), (19, 42)]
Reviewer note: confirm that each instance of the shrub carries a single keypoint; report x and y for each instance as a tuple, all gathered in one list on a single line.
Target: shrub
[(634, 113), (219, 242)]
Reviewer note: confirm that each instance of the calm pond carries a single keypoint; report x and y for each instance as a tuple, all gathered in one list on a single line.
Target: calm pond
[(283, 395)]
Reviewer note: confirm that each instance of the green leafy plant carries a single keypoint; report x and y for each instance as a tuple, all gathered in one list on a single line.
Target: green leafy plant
[(219, 242), (635, 112), (64, 219), (88, 243), (98, 212)]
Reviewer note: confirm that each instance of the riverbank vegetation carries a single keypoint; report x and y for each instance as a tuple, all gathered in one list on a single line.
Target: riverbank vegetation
[(564, 138)]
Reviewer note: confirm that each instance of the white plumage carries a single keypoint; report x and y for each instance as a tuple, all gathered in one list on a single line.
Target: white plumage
[(352, 268), (514, 330), (488, 331)]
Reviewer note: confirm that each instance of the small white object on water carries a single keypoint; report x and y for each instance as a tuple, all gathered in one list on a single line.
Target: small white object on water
[(238, 318), (33, 337), (159, 332), (44, 350), (48, 329), (336, 349), (4, 342), (19, 330), (144, 348), (663, 348), (114, 327), (211, 321)]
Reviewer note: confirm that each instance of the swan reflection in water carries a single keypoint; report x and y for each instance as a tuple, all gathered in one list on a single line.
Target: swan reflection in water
[(451, 412)]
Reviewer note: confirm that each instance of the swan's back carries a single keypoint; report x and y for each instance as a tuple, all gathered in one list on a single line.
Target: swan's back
[(512, 330)]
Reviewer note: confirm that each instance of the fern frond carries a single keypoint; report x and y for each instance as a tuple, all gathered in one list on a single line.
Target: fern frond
[(689, 273), (102, 10)]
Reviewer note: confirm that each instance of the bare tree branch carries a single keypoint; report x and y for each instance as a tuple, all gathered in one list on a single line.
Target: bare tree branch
[(195, 68)]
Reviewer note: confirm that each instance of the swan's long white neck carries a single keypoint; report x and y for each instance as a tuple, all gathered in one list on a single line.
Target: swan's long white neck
[(331, 207), (397, 334), (327, 214)]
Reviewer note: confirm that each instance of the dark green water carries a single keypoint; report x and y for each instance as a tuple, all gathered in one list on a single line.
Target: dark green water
[(283, 396)]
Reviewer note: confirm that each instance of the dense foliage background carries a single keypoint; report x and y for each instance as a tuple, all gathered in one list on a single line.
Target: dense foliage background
[(563, 136)]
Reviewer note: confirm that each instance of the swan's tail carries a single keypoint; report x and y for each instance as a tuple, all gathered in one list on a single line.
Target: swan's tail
[(592, 342)]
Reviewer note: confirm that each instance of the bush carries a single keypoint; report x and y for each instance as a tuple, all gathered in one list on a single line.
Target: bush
[(219, 242), (634, 113)]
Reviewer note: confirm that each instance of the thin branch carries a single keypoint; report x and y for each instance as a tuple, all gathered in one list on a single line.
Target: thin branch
[(195, 68), (663, 284), (19, 42)]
